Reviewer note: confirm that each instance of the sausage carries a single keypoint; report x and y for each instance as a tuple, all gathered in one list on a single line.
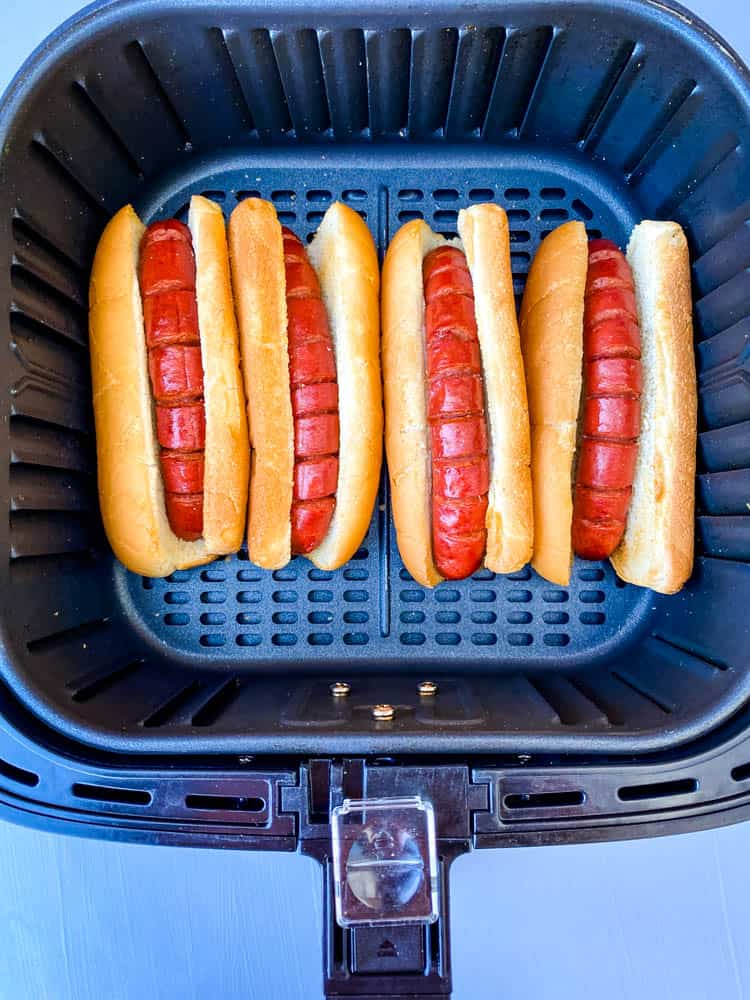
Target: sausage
[(170, 316), (315, 400), (455, 411), (611, 404)]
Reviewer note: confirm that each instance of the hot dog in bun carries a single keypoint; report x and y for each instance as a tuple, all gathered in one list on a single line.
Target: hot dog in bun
[(168, 404), (309, 336), (457, 426), (610, 370)]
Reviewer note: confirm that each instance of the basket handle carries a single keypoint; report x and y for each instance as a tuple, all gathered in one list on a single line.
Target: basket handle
[(386, 961)]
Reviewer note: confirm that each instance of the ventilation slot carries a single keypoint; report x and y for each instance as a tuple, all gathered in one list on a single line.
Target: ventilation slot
[(600, 112), (231, 77), (298, 58), (137, 55), (657, 790), (676, 112), (18, 774), (523, 59), (34, 442), (122, 796), (218, 703), (65, 636), (95, 682), (545, 800), (741, 772), (87, 106), (172, 706), (388, 60), (38, 254), (56, 160), (640, 690), (433, 57), (343, 55), (226, 803), (476, 66)]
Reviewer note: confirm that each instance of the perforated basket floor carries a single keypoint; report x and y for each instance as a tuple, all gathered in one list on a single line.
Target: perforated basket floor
[(606, 120)]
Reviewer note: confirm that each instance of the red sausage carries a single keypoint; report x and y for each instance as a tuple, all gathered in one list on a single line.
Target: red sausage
[(170, 315), (611, 407), (315, 400), (455, 410)]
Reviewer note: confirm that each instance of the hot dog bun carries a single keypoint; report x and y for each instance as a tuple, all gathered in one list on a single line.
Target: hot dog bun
[(509, 516), (552, 343), (131, 490), (406, 431), (657, 548), (343, 255), (256, 254), (486, 239), (227, 449)]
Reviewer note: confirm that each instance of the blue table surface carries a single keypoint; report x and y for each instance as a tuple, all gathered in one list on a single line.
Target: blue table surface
[(663, 919)]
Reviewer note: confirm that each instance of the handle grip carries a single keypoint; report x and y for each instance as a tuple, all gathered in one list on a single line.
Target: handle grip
[(389, 960)]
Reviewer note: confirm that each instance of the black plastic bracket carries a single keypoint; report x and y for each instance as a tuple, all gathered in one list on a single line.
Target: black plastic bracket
[(391, 960)]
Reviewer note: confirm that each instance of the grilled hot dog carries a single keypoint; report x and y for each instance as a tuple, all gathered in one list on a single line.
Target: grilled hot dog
[(170, 317), (611, 406), (315, 400), (455, 410)]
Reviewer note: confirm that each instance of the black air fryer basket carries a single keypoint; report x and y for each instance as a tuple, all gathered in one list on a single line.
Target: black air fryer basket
[(198, 709)]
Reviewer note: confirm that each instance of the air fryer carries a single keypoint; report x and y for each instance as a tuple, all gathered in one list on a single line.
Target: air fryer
[(230, 705)]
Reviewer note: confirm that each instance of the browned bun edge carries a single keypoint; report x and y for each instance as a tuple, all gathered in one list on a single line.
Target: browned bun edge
[(510, 525), (406, 430), (656, 550), (551, 323), (258, 278), (344, 257), (227, 456), (131, 492)]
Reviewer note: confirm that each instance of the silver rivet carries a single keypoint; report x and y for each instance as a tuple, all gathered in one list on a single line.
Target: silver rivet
[(340, 689), (383, 712), (427, 688)]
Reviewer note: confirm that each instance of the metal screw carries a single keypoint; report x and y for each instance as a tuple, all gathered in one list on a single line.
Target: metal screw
[(383, 712), (340, 689), (427, 688)]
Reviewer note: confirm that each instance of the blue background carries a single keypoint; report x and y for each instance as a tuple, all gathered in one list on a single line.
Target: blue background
[(85, 920)]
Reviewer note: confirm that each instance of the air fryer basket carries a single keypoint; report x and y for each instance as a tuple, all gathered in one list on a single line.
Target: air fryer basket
[(606, 114), (197, 709)]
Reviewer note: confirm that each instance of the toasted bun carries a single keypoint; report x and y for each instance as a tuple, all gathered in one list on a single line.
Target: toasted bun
[(552, 345), (656, 550), (257, 258), (131, 493), (510, 532), (227, 461), (344, 257), (406, 431)]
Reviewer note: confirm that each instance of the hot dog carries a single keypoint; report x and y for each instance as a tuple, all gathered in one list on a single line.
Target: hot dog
[(606, 341), (309, 335), (173, 458), (315, 400), (611, 403), (455, 411), (170, 317), (457, 433)]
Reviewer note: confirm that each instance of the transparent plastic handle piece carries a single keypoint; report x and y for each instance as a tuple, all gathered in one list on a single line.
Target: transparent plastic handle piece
[(385, 867)]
